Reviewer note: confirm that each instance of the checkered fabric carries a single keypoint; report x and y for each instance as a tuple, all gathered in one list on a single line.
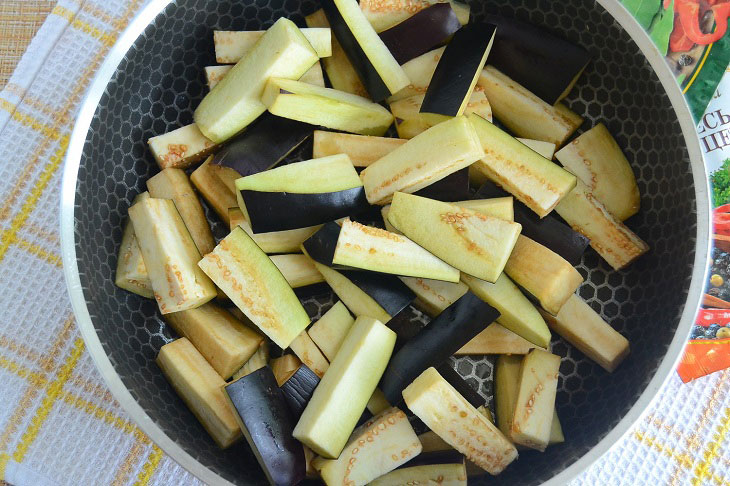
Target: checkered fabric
[(58, 422)]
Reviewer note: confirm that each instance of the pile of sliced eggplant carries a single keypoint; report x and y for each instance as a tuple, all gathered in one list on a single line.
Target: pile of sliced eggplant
[(464, 217)]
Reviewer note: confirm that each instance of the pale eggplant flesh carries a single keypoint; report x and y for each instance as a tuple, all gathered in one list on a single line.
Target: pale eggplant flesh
[(547, 231)]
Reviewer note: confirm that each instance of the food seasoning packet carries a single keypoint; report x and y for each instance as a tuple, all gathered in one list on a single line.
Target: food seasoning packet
[(708, 349)]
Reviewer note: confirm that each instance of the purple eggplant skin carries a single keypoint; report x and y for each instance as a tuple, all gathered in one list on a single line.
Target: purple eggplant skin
[(279, 211), (548, 231), (405, 325), (451, 456), (460, 384), (387, 290), (298, 389), (263, 145), (453, 187), (268, 426), (433, 345), (451, 82), (321, 245), (368, 74), (421, 32), (543, 63)]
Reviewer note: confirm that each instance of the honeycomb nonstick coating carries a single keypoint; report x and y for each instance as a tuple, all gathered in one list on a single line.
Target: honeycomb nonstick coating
[(161, 81)]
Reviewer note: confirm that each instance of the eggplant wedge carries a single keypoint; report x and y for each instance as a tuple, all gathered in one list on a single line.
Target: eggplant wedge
[(535, 401), (378, 70), (309, 353), (284, 366), (263, 145), (547, 231), (259, 359), (458, 70), (447, 413), (612, 239), (339, 400), (181, 148), (545, 64), (223, 340), (384, 15), (597, 160), (254, 284), (496, 339), (517, 312), (325, 107), (506, 386), (470, 241), (342, 76), (287, 241), (419, 71), (422, 32), (298, 389), (174, 184), (433, 296), (543, 273), (201, 388), (267, 424), (321, 246), (296, 195), (217, 186), (581, 326), (532, 179), (461, 386), (410, 121), (499, 207), (363, 150), (214, 74), (297, 269), (433, 345), (374, 249), (453, 187), (377, 447), (330, 330), (232, 45), (131, 273), (170, 256), (428, 157), (369, 293), (523, 113), (282, 52), (377, 403), (451, 474), (546, 149)]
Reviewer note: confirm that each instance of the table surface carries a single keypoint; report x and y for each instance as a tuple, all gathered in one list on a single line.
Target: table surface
[(19, 21)]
